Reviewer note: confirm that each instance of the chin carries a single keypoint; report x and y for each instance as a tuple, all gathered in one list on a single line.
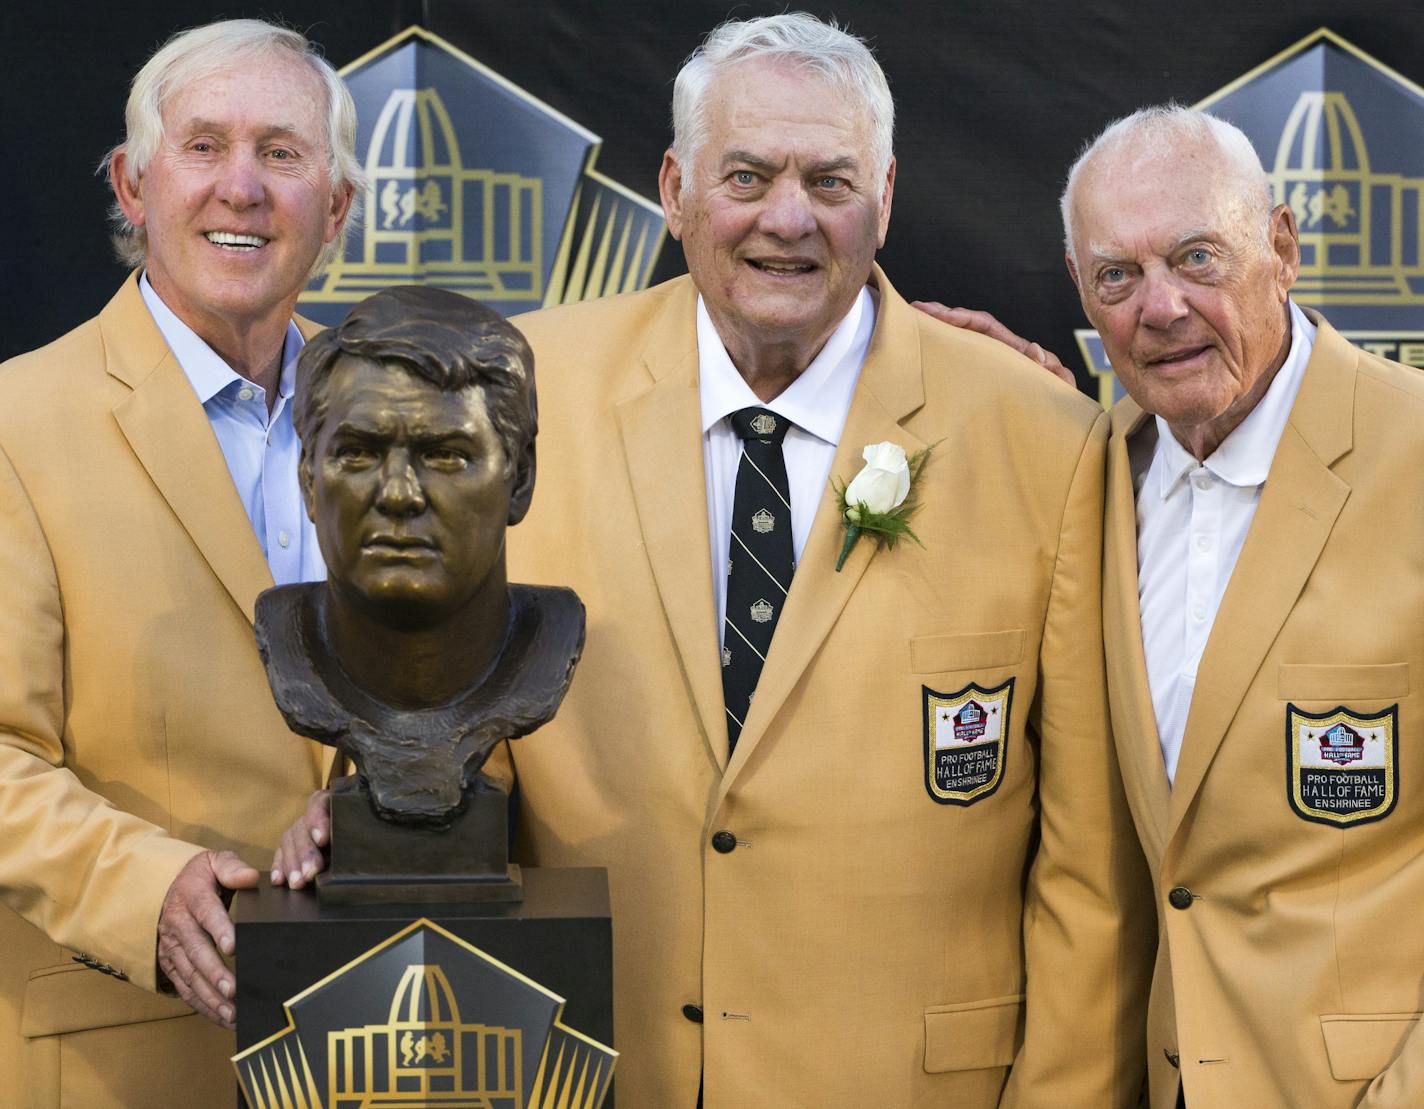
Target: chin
[(401, 600)]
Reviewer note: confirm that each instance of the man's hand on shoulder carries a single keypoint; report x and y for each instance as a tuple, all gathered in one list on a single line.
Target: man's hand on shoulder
[(194, 927), (985, 324)]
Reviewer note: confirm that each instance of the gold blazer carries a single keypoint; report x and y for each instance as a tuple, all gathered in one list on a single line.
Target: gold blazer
[(1289, 971)]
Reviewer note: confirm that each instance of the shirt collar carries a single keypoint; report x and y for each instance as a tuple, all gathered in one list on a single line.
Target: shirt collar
[(817, 402), (1244, 457), (206, 371)]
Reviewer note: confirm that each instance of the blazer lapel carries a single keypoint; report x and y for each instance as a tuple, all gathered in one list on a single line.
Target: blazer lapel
[(889, 389), (662, 442), (1135, 733), (170, 434), (1299, 505)]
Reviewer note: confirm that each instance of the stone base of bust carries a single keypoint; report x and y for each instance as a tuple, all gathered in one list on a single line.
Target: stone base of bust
[(376, 861)]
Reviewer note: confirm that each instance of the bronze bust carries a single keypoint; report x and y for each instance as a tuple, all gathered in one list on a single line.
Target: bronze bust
[(417, 418)]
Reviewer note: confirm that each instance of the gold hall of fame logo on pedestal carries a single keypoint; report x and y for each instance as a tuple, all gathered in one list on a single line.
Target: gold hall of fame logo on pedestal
[(477, 186), (1341, 136), (425, 1020)]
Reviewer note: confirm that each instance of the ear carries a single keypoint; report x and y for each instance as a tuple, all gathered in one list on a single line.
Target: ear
[(1285, 245), (670, 191), (304, 479), (340, 209), (886, 195), (522, 491), (1073, 271), (128, 193)]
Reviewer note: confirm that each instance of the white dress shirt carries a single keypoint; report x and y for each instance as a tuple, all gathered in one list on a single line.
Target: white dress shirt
[(1192, 520), (261, 451), (816, 403)]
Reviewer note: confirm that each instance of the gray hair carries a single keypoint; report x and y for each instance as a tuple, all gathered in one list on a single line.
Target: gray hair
[(1158, 130), (193, 55), (822, 49)]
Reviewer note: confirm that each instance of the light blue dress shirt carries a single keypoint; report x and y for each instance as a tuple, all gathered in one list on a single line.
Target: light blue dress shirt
[(261, 451)]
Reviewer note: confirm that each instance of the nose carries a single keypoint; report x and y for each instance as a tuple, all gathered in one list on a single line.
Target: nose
[(787, 213), (239, 183), (400, 492), (1163, 301)]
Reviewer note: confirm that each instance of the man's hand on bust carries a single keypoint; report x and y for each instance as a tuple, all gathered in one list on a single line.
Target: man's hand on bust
[(194, 927), (299, 858), (985, 324)]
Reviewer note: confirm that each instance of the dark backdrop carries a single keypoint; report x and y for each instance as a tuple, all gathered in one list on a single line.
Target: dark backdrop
[(993, 99)]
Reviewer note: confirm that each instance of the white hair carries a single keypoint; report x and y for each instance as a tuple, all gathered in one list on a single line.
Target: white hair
[(823, 49), (1155, 132), (199, 53)]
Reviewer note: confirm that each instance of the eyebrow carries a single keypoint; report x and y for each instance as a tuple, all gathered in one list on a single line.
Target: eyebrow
[(747, 158), (835, 165)]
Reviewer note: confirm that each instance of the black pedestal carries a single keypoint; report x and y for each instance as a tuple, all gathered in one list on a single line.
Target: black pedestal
[(559, 936)]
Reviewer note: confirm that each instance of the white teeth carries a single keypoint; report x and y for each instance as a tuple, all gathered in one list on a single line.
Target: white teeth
[(228, 238), (774, 267)]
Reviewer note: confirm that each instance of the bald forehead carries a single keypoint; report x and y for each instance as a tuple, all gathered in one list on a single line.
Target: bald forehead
[(1166, 159), (1192, 182)]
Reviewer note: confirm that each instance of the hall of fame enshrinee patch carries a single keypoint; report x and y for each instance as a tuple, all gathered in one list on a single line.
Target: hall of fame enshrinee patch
[(1342, 767), (965, 741)]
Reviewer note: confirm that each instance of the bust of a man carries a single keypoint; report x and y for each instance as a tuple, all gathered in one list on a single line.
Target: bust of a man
[(417, 419)]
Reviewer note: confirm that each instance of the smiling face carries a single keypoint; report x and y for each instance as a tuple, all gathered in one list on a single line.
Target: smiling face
[(410, 489), (782, 210), (237, 199), (1184, 283)]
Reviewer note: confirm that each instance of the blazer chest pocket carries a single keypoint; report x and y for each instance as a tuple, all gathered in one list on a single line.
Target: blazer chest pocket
[(933, 654), (1342, 684), (974, 1035)]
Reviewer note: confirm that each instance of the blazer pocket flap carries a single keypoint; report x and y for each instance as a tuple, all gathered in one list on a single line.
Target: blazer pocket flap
[(72, 998), (1338, 684), (975, 1035), (930, 654), (1360, 1046)]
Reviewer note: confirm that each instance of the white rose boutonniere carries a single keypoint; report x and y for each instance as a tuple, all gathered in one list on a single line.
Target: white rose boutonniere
[(881, 497)]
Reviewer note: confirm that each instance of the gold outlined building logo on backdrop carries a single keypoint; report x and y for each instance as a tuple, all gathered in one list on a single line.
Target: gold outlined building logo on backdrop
[(1341, 136), (477, 186), (425, 1020)]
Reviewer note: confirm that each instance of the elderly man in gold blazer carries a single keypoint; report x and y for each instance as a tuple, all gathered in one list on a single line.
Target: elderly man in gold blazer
[(901, 873), (831, 911), (142, 761), (1263, 605)]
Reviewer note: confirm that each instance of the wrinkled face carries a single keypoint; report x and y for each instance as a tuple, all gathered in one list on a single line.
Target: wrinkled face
[(1182, 281), (237, 200), (410, 489), (782, 210)]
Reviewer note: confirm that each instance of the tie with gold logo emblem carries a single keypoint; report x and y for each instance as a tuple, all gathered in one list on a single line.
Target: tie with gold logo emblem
[(760, 560)]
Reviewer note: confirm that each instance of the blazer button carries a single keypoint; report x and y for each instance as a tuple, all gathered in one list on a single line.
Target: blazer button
[(1172, 1057), (724, 842), (1180, 898), (693, 1013)]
